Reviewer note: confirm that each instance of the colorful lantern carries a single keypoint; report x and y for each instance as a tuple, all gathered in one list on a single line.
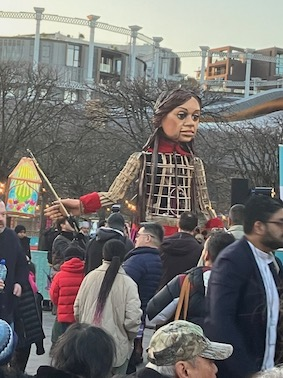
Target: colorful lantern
[(22, 189)]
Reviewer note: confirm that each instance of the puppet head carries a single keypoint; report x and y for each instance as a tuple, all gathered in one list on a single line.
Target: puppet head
[(176, 117), (167, 101)]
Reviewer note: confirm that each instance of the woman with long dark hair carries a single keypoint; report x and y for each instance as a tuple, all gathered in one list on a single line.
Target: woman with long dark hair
[(108, 298)]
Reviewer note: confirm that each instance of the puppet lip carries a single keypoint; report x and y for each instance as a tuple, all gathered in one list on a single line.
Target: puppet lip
[(189, 133)]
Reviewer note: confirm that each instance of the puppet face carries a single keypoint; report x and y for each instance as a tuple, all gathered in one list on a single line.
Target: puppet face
[(181, 124)]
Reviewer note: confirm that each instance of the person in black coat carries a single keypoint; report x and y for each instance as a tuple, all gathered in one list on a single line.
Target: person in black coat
[(20, 230), (49, 235), (28, 323), (243, 299), (114, 230), (180, 251), (61, 243), (17, 268)]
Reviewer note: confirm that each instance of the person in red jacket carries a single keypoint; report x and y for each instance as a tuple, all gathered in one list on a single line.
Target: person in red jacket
[(65, 285)]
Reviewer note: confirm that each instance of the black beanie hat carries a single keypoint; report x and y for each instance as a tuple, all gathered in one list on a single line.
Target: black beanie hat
[(19, 228), (116, 221), (73, 251)]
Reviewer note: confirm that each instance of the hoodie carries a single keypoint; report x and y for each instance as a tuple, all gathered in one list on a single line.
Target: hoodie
[(179, 252), (95, 246)]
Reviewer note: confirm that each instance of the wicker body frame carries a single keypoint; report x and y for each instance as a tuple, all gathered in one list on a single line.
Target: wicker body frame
[(179, 185)]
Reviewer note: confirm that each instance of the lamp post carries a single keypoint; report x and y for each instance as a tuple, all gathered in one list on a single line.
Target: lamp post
[(248, 71), (134, 34), (92, 25), (157, 41), (204, 52), (38, 17)]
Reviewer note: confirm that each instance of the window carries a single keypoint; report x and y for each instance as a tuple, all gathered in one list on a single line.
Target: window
[(219, 70), (279, 65), (175, 64), (118, 67), (73, 56), (106, 64), (11, 49), (45, 54)]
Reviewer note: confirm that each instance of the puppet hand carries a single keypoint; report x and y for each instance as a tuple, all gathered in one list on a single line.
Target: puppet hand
[(55, 211)]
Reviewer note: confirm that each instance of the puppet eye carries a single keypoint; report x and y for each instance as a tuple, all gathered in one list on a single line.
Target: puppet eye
[(182, 115), (195, 117)]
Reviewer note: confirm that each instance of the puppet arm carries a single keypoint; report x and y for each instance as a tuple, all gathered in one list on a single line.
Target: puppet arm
[(93, 201), (202, 192)]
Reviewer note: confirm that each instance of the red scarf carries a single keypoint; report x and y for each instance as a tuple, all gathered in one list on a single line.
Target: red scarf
[(168, 147)]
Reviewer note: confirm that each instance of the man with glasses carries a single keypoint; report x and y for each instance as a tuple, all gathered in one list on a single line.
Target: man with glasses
[(243, 298), (143, 265)]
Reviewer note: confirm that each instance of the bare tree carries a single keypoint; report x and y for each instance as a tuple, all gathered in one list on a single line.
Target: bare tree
[(29, 105), (246, 150)]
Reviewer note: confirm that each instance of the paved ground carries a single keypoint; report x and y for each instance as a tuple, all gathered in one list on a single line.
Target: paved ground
[(48, 319)]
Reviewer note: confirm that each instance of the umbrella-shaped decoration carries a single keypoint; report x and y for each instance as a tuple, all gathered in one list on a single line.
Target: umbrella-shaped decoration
[(23, 188)]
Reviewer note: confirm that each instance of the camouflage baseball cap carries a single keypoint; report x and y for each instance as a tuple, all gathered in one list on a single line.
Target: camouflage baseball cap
[(182, 341)]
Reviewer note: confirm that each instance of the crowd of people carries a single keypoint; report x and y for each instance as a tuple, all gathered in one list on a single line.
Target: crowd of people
[(213, 295), (231, 326)]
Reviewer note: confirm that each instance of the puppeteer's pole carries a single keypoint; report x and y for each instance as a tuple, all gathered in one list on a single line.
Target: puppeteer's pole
[(64, 210)]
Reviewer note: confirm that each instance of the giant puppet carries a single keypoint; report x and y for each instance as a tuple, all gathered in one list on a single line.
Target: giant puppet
[(171, 179)]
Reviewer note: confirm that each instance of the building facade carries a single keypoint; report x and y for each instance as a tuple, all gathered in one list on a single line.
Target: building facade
[(223, 67), (69, 57), (268, 70)]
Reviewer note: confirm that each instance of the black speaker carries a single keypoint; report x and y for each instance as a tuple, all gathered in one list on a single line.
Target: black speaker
[(240, 191)]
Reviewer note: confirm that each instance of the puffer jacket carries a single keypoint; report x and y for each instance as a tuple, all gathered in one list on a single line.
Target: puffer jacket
[(143, 265), (95, 246), (64, 288), (162, 307), (121, 315), (27, 318)]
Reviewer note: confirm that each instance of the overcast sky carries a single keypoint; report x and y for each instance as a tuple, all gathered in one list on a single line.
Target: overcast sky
[(185, 25)]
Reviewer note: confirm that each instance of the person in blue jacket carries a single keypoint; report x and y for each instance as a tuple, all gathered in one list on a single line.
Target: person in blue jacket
[(143, 264)]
